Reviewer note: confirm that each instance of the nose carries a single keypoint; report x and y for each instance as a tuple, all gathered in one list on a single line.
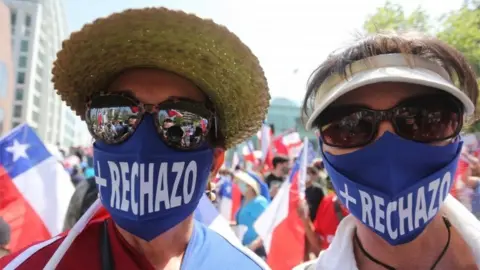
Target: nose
[(384, 126)]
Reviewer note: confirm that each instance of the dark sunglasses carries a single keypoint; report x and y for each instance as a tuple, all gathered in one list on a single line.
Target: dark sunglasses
[(181, 123), (425, 119)]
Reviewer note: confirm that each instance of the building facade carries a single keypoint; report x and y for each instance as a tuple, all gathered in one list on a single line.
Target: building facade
[(38, 28), (7, 74), (285, 114)]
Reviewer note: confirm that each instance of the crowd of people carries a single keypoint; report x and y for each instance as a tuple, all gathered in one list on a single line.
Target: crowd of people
[(389, 110)]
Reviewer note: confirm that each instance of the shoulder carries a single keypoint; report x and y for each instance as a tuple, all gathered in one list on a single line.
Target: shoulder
[(37, 255), (261, 201), (219, 250), (31, 257)]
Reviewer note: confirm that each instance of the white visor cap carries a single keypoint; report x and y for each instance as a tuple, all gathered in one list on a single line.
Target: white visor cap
[(403, 68)]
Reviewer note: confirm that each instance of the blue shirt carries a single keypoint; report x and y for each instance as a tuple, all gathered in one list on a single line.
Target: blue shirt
[(248, 214), (208, 250)]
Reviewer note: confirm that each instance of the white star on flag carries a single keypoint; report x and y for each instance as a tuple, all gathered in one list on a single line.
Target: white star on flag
[(228, 189), (18, 150)]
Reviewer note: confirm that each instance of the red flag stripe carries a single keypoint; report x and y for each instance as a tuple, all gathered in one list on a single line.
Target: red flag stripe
[(26, 226)]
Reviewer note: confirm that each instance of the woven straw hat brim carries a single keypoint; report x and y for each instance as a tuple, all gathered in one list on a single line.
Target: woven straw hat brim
[(206, 53)]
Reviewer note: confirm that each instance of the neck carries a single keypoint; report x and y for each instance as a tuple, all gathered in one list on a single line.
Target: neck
[(308, 183), (166, 250), (431, 242)]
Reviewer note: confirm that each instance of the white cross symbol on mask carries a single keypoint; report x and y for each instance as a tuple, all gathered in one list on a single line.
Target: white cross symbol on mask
[(347, 197), (101, 182)]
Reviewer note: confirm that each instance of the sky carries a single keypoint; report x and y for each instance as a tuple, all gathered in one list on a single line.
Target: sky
[(284, 35)]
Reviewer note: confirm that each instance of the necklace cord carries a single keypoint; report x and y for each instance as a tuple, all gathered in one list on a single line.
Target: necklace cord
[(386, 266)]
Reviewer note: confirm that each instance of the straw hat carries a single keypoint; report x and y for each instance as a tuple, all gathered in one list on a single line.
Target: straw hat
[(208, 54), (247, 179)]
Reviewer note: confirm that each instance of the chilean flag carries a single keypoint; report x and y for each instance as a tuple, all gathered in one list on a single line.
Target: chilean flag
[(265, 135), (248, 152), (230, 199), (35, 189), (280, 227), (288, 144), (293, 143)]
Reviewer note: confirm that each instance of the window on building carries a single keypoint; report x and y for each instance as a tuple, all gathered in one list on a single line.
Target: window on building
[(42, 42), (15, 124), (17, 111), (38, 86), (13, 18), (3, 79), (36, 100), (35, 117), (22, 61), (21, 77), (28, 20), (41, 57), (39, 71), (24, 46), (19, 94)]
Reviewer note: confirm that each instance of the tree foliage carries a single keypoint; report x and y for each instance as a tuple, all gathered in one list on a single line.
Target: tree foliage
[(459, 28), (392, 17)]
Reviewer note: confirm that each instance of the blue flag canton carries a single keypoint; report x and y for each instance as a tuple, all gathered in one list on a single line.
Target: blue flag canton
[(21, 150), (311, 155)]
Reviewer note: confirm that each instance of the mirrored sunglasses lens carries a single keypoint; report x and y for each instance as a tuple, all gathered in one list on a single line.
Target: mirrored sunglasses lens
[(112, 124), (182, 129)]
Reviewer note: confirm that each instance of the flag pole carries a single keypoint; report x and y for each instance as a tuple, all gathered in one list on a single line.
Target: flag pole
[(303, 168)]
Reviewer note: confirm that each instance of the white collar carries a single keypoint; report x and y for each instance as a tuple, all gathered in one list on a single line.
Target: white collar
[(339, 254)]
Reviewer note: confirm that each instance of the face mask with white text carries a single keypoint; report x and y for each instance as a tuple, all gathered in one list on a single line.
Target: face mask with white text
[(146, 186), (394, 186)]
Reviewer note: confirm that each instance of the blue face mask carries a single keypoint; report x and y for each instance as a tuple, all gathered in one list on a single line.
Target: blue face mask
[(146, 186), (394, 186)]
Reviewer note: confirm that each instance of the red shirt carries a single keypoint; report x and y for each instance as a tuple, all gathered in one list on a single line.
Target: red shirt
[(84, 253), (462, 171), (326, 220)]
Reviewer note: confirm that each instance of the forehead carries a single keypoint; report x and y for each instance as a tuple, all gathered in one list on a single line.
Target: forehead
[(382, 96), (154, 85)]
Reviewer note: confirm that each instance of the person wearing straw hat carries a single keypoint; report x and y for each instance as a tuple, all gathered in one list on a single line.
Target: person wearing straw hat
[(389, 110), (252, 207), (154, 64)]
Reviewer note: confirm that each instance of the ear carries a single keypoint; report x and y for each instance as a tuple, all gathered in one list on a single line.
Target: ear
[(218, 160)]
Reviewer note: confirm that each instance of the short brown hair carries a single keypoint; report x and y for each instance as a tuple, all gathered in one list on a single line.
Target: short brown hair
[(415, 43)]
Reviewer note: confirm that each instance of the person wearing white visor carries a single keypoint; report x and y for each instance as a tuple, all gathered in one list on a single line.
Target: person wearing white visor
[(389, 110), (252, 207)]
